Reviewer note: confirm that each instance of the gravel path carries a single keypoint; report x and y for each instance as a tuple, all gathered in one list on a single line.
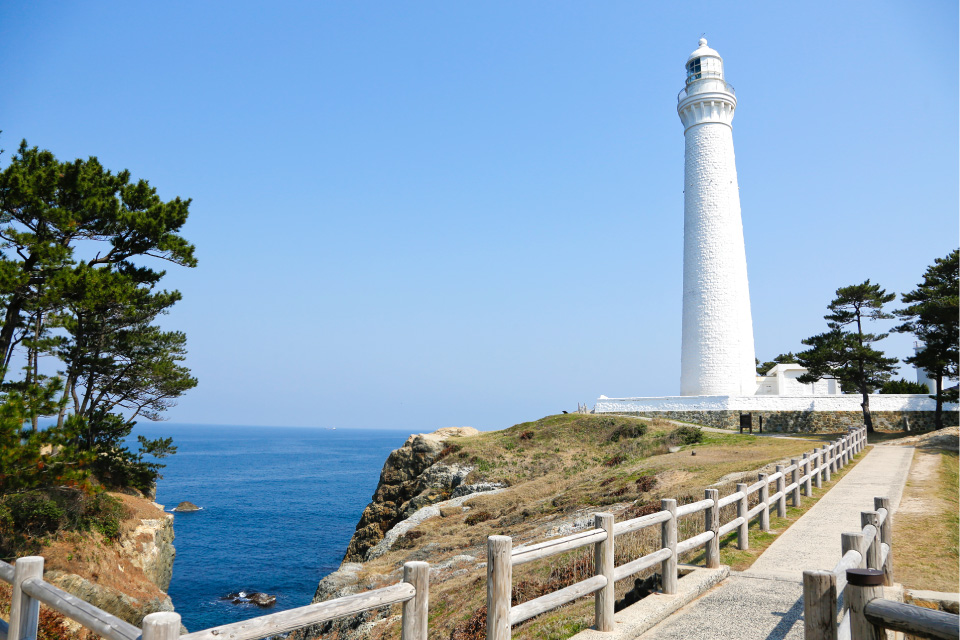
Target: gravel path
[(765, 601)]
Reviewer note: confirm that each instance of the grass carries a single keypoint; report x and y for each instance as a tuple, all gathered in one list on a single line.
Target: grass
[(558, 469), (926, 527)]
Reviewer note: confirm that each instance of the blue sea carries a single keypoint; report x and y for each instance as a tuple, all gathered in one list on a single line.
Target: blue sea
[(279, 505)]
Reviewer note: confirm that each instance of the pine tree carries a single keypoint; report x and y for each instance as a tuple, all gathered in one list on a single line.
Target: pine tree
[(933, 316), (845, 352)]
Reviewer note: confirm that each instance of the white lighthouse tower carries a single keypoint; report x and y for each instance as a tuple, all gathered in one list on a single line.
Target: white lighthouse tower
[(717, 355)]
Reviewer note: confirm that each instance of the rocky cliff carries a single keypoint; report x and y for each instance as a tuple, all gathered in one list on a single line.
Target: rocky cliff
[(127, 577)]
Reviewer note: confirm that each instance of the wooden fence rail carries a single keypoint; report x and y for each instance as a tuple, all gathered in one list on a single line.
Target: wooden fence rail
[(803, 473), (30, 590), (864, 568)]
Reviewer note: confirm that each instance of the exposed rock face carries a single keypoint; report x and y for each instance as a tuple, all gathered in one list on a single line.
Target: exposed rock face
[(411, 479), (186, 506), (127, 577)]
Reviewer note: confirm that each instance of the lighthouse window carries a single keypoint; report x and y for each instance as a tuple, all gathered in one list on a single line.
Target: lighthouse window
[(693, 69)]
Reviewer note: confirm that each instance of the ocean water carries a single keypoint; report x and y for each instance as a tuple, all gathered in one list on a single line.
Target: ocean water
[(279, 505)]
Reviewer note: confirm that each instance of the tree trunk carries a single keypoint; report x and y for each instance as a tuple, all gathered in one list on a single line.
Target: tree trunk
[(938, 416), (12, 317), (867, 419)]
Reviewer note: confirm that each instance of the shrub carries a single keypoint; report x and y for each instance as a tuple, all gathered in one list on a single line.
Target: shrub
[(32, 513), (615, 460), (686, 435), (644, 509), (408, 540), (478, 517), (646, 483), (449, 450), (527, 435), (628, 430)]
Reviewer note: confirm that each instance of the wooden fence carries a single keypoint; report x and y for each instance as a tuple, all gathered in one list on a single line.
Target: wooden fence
[(803, 474), (30, 590), (860, 575)]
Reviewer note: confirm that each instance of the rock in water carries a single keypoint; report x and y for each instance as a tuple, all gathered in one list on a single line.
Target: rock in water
[(262, 599), (186, 506)]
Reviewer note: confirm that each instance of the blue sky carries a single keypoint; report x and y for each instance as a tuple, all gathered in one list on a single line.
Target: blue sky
[(421, 215)]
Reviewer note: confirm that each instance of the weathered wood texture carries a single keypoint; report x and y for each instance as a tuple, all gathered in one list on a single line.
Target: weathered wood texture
[(24, 610), (636, 566), (97, 620), (781, 493), (542, 550), (499, 586), (819, 605), (765, 502), (6, 572), (285, 621), (642, 522), (856, 598), (711, 523), (872, 552), (414, 622), (694, 542), (162, 625), (908, 618), (886, 537), (553, 600), (603, 563), (694, 507), (668, 540), (743, 531)]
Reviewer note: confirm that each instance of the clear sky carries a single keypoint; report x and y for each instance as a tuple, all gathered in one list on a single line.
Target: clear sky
[(430, 214)]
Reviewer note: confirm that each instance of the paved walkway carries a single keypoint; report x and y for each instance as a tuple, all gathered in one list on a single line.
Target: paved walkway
[(765, 602)]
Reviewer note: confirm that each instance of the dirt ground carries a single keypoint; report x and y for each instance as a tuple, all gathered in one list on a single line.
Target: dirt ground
[(925, 527)]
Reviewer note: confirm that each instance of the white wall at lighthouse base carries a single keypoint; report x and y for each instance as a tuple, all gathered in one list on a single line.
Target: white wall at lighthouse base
[(844, 402)]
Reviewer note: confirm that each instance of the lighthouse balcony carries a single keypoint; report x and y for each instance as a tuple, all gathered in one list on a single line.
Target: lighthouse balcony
[(707, 85)]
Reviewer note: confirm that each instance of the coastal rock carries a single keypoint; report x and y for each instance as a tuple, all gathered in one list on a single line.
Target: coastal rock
[(263, 600), (411, 479), (186, 506)]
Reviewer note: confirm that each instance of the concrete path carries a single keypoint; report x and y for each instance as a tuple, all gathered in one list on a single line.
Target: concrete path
[(765, 601)]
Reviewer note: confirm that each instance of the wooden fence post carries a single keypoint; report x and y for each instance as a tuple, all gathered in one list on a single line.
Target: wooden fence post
[(414, 625), (874, 551), (827, 464), (603, 599), (795, 480), (838, 455), (819, 605), (808, 483), (668, 540), (499, 587), (24, 610), (817, 463), (163, 625), (886, 537), (782, 500), (863, 585), (711, 522), (743, 532), (852, 541), (765, 501)]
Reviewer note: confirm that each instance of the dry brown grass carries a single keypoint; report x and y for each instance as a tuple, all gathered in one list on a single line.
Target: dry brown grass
[(556, 470), (925, 527)]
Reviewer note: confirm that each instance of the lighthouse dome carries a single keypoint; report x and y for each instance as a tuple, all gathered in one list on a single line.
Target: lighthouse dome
[(704, 62)]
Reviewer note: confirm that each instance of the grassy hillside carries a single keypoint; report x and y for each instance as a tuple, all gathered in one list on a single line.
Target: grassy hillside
[(559, 470)]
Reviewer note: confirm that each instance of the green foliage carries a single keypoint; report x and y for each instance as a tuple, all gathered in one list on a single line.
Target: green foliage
[(74, 237), (783, 358), (845, 352), (686, 435), (628, 430), (933, 315), (903, 386), (28, 517)]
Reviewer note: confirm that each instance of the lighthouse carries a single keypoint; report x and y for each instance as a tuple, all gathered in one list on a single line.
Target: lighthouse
[(717, 354)]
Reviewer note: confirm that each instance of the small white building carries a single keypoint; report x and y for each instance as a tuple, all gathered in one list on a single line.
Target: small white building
[(781, 380)]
